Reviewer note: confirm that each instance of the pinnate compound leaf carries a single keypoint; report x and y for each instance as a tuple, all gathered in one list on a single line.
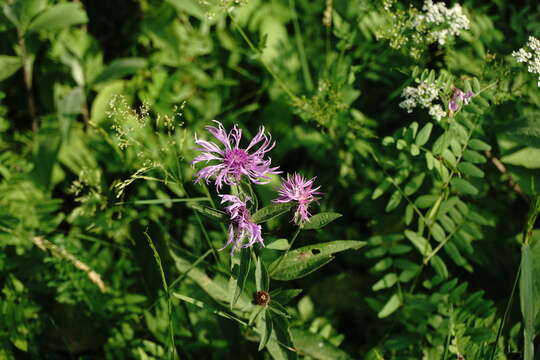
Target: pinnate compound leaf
[(320, 220), (271, 211), (59, 16), (303, 261)]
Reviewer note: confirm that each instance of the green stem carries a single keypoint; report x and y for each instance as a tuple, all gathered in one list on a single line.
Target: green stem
[(506, 311), (301, 50)]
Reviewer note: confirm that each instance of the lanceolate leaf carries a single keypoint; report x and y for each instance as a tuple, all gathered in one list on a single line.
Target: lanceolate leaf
[(390, 307), (315, 346), (9, 66), (320, 220), (271, 211), (59, 16), (264, 325), (209, 212), (303, 261)]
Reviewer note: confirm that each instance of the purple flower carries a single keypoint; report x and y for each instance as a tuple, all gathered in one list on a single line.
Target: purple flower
[(458, 97), (297, 188), (241, 225), (233, 161)]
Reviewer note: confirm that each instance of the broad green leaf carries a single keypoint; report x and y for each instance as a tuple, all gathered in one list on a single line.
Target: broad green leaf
[(59, 16), (423, 135), (390, 307), (209, 212), (528, 157), (280, 345), (303, 261), (527, 135), (279, 244), (262, 279), (425, 201), (479, 145), (264, 325), (9, 66), (320, 220), (470, 169), (419, 242), (284, 296), (462, 186), (120, 68), (271, 211), (315, 346), (49, 142)]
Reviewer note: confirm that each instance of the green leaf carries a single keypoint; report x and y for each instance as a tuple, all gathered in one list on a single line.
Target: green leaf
[(439, 266), (279, 244), (284, 296), (59, 16), (9, 66), (46, 156), (381, 189), (414, 184), (462, 186), (394, 201), (240, 265), (528, 157), (190, 7), (209, 212), (264, 325), (470, 169), (320, 220), (527, 135), (262, 279), (386, 282), (303, 261), (424, 134), (280, 345), (271, 211), (315, 346), (390, 307), (120, 68), (479, 145), (419, 242), (474, 157)]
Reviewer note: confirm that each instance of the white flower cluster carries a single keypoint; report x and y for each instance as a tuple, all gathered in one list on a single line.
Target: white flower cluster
[(423, 96), (530, 55), (444, 22)]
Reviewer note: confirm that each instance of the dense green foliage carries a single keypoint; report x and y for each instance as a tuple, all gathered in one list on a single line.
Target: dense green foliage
[(424, 244)]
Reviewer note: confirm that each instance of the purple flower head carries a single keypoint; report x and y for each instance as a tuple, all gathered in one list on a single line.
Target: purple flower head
[(241, 226), (297, 188), (459, 96), (233, 161)]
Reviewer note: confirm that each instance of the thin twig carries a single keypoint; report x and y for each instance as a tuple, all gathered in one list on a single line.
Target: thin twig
[(502, 169), (61, 253)]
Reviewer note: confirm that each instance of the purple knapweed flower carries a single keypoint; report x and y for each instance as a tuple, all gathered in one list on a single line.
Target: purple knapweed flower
[(233, 161), (241, 226), (297, 188), (459, 96)]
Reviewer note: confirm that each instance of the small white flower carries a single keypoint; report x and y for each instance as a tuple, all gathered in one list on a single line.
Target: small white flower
[(441, 22), (422, 96), (530, 55)]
